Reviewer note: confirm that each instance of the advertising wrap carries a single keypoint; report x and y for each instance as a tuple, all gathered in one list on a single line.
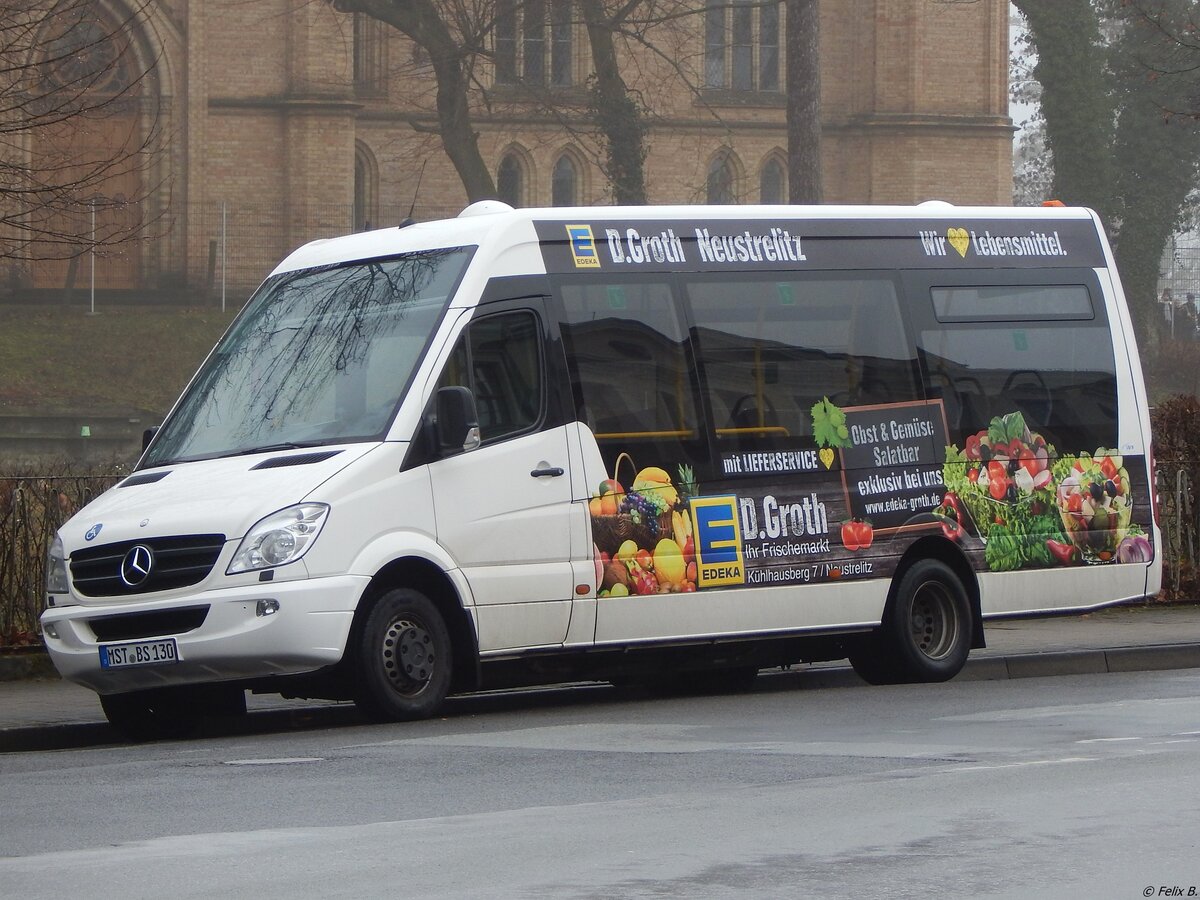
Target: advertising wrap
[(879, 478)]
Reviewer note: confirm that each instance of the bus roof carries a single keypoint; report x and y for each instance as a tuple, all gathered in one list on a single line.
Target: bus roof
[(1023, 232)]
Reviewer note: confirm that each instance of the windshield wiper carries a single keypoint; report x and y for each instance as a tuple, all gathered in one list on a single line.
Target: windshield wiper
[(266, 448)]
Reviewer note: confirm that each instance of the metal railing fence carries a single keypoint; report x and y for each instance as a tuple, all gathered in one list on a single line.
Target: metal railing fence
[(1179, 518), (32, 507)]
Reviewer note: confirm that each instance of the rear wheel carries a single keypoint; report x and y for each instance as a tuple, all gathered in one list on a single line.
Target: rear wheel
[(404, 658), (925, 635)]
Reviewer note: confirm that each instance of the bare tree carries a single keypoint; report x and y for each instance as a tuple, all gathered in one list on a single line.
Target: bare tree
[(804, 100), (618, 114), (456, 34), (75, 118), (452, 34)]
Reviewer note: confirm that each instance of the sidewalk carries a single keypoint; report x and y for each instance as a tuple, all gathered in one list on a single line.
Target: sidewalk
[(46, 712)]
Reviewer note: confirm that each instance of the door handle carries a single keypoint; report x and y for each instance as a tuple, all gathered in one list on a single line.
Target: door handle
[(552, 471)]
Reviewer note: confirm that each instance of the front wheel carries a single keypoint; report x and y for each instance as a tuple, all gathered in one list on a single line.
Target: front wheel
[(404, 658), (925, 635)]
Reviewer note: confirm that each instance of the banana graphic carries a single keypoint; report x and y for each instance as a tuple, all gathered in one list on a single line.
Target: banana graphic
[(681, 527)]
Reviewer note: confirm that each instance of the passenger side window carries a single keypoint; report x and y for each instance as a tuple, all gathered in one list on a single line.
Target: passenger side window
[(631, 373), (1039, 350), (1061, 379), (772, 349), (499, 358)]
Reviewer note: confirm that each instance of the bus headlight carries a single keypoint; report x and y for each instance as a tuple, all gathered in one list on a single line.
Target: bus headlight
[(56, 569), (281, 538)]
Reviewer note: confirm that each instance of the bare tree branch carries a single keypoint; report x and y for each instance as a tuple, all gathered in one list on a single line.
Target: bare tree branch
[(78, 113)]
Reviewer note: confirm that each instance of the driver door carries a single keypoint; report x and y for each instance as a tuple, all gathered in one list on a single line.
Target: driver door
[(504, 509)]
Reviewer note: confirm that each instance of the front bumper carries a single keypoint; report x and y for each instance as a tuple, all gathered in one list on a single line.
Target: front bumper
[(234, 643)]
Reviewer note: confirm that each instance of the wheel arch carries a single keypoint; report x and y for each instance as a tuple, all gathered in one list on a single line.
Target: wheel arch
[(952, 555), (432, 581)]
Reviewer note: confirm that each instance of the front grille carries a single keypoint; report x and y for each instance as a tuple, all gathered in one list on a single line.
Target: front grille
[(160, 623), (174, 562)]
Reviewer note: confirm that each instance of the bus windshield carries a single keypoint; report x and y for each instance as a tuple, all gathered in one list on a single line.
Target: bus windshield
[(319, 356)]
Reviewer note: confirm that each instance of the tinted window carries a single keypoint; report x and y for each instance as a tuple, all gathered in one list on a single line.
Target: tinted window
[(1016, 303), (499, 359), (772, 349), (1059, 376), (631, 373)]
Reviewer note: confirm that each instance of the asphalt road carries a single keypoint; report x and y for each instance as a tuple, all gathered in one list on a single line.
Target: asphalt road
[(1057, 787)]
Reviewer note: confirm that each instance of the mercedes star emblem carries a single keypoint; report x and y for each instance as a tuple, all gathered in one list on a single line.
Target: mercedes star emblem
[(136, 566)]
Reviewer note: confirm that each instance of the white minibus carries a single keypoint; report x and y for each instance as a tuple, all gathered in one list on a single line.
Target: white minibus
[(655, 445)]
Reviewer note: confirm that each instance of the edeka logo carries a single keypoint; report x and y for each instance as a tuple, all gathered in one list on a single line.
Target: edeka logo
[(719, 559), (583, 246)]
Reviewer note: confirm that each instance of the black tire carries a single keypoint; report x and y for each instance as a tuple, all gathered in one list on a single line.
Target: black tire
[(170, 713), (404, 659), (872, 663), (925, 635)]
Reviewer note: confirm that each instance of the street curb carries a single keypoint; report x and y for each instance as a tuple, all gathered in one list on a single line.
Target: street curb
[(1147, 658), (1160, 656)]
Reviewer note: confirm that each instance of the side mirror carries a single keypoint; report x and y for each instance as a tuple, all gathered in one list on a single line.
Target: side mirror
[(457, 419), (148, 436)]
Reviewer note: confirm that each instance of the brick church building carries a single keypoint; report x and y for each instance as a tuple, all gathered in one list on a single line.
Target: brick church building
[(281, 121)]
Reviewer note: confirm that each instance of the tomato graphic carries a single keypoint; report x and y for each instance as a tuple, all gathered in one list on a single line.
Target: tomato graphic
[(857, 534), (848, 536), (998, 488), (1029, 462), (1109, 468), (866, 534)]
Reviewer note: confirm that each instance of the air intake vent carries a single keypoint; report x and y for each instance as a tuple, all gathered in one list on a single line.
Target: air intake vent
[(158, 623), (141, 567), (146, 478), (304, 459)]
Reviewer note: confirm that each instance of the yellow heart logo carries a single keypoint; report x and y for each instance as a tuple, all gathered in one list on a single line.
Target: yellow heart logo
[(959, 240), (826, 455)]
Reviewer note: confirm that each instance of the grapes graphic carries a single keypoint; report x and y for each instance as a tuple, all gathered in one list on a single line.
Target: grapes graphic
[(641, 511)]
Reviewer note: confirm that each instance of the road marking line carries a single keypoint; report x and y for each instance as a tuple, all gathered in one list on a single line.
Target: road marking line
[(1107, 740), (1032, 762)]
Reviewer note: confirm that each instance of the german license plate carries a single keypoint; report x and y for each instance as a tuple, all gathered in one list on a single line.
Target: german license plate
[(140, 653)]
